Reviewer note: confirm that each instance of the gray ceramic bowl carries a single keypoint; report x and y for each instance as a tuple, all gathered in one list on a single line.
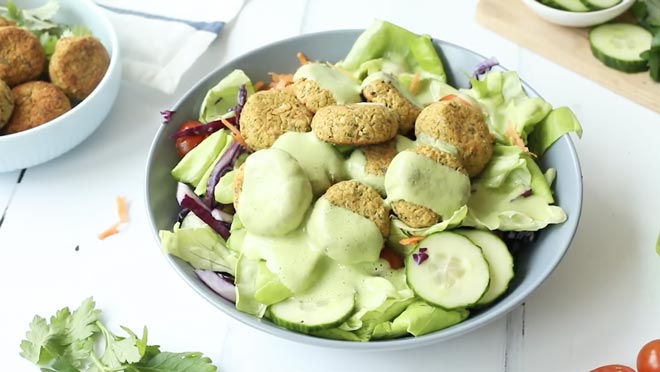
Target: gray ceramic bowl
[(533, 265)]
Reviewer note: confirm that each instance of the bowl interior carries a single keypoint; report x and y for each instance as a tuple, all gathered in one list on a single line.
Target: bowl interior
[(532, 265)]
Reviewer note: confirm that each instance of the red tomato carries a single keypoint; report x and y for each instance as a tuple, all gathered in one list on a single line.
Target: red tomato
[(184, 144), (392, 257), (613, 368), (648, 359)]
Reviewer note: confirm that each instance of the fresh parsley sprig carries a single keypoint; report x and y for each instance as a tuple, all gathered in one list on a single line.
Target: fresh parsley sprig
[(67, 344)]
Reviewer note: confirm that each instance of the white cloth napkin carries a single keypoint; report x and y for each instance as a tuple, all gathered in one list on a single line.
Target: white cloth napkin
[(160, 39)]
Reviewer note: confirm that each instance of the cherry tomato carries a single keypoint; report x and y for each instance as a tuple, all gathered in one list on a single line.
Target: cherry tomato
[(648, 359), (392, 257), (613, 368), (184, 144)]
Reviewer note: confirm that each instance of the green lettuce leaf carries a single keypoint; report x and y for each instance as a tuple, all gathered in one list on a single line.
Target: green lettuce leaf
[(418, 319), (195, 164), (247, 272), (223, 96), (269, 288), (338, 334), (203, 181), (557, 123), (399, 230), (224, 190), (200, 246)]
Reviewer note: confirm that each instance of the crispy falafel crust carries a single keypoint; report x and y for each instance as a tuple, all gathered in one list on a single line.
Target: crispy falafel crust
[(462, 126), (21, 56), (361, 199), (378, 157), (312, 95), (439, 156), (238, 184), (414, 215), (355, 124), (6, 103), (36, 103), (4, 22), (78, 65), (385, 93), (271, 113)]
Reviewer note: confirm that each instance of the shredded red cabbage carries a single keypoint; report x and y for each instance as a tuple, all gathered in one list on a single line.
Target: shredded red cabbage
[(220, 283), (224, 165), (421, 256), (167, 115), (485, 66), (202, 211), (527, 193), (207, 128), (241, 98)]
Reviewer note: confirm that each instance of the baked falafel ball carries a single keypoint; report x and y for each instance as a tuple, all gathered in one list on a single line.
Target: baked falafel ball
[(78, 65), (4, 22), (6, 103), (368, 164), (349, 223), (461, 125), (355, 124), (21, 56), (382, 88), (274, 193), (317, 85), (426, 185), (269, 114), (36, 103)]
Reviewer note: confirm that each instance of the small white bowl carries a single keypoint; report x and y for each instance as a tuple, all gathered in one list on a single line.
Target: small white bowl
[(52, 139), (577, 19)]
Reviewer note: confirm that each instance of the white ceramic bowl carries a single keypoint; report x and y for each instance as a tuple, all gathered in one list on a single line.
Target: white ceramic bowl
[(47, 141), (577, 19)]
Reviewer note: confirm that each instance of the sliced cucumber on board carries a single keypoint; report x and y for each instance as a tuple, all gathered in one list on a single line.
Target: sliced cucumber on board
[(570, 5), (448, 270), (315, 310), (600, 4), (500, 262), (618, 45)]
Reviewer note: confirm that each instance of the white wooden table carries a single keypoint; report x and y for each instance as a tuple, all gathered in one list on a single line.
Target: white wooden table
[(598, 307)]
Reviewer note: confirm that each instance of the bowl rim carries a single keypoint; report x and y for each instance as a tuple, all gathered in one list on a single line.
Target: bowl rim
[(95, 9), (579, 15), (267, 327)]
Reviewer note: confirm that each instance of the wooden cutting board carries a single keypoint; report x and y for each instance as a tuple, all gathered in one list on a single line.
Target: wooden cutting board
[(566, 46)]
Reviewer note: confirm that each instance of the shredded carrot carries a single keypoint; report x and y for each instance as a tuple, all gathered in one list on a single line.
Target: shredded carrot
[(450, 97), (516, 139), (122, 212), (414, 84), (238, 137), (258, 85), (302, 58), (280, 81), (122, 209), (411, 241)]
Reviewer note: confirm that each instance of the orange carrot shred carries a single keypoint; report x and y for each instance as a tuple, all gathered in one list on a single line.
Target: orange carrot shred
[(258, 85), (302, 58), (414, 84), (411, 241), (112, 230), (238, 137), (122, 209), (515, 137), (280, 81)]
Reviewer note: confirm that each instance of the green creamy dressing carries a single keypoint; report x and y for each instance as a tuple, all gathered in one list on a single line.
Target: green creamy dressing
[(275, 194), (357, 162), (344, 88), (420, 180), (388, 78), (320, 161), (425, 139)]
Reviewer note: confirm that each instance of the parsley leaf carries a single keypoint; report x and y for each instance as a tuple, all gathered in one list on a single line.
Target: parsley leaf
[(174, 362), (36, 339)]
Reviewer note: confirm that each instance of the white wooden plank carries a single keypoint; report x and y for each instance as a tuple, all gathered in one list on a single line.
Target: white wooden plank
[(8, 184), (602, 303)]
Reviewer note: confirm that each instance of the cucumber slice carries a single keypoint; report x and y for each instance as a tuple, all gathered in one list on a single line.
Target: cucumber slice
[(453, 272), (500, 262), (570, 5), (618, 45), (316, 310), (599, 4)]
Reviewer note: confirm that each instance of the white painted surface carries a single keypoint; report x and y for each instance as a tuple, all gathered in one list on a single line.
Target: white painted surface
[(597, 308)]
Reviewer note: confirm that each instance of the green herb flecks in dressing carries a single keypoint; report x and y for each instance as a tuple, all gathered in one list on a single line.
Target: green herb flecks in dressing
[(344, 88), (275, 194), (343, 235), (320, 161), (420, 180), (357, 162)]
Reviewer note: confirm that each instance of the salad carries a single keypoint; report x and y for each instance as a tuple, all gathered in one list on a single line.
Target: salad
[(340, 218)]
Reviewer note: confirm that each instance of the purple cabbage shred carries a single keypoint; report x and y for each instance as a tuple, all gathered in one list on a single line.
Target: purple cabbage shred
[(224, 165), (485, 66), (241, 98), (220, 283), (421, 256), (207, 128), (202, 211), (167, 115), (527, 193)]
